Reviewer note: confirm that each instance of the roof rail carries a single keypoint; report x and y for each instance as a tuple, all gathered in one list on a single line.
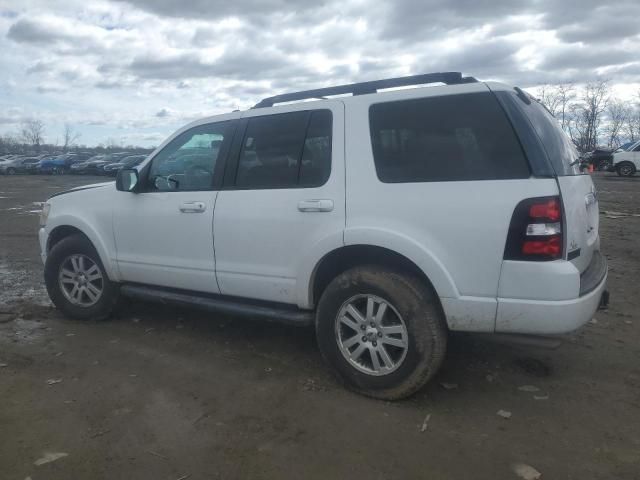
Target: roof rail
[(362, 88)]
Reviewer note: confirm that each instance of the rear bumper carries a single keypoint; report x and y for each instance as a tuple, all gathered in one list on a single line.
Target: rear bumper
[(544, 317)]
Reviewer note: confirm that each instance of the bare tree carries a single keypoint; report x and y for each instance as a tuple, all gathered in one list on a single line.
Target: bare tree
[(585, 115), (557, 99), (617, 113), (32, 133), (9, 143), (631, 127), (70, 137)]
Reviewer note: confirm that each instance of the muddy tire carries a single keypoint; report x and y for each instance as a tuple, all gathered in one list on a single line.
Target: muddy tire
[(626, 169), (382, 331), (77, 282)]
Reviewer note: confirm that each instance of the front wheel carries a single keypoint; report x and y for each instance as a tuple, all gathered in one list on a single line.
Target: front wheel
[(382, 331), (77, 282)]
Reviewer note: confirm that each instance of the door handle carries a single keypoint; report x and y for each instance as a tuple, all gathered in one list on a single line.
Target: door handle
[(193, 207), (322, 205)]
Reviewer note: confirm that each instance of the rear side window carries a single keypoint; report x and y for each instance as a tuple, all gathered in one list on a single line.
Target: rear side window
[(448, 138), (286, 150)]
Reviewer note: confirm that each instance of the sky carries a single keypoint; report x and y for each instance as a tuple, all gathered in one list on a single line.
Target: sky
[(136, 70)]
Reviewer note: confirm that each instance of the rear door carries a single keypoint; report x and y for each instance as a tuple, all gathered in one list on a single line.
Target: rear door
[(579, 196)]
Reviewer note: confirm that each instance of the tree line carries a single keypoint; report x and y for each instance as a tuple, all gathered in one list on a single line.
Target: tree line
[(591, 115), (30, 140)]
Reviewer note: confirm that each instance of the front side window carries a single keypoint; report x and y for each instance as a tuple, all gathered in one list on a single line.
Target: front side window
[(286, 150), (189, 161), (448, 138)]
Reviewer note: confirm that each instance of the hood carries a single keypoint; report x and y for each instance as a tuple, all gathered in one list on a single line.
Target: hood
[(83, 187)]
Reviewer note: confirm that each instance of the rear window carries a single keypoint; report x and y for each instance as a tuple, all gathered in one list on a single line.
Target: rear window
[(561, 152), (447, 138)]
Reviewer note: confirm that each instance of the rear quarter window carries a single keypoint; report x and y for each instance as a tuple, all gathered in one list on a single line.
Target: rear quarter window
[(561, 152), (446, 138)]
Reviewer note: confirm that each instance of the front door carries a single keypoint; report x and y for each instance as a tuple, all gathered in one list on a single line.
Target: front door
[(164, 233), (283, 199)]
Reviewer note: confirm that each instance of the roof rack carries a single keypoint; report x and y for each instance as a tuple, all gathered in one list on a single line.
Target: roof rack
[(362, 88)]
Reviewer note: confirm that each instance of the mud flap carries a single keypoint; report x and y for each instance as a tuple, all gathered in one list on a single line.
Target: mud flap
[(604, 300)]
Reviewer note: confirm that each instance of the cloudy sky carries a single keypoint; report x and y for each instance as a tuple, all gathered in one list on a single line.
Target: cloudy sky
[(135, 70)]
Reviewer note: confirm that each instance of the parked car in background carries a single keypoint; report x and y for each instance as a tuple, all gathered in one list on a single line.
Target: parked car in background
[(31, 165), (81, 167), (627, 162), (96, 166), (126, 162), (600, 158), (60, 164), (11, 165)]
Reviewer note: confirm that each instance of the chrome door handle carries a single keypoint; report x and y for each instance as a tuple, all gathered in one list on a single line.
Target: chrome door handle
[(322, 205), (193, 207)]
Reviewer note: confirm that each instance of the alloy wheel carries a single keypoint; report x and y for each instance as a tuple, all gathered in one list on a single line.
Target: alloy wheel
[(81, 280), (371, 335)]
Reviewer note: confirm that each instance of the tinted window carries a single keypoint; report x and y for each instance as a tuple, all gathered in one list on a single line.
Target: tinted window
[(460, 137), (188, 162), (286, 150), (561, 152), (637, 149), (316, 155)]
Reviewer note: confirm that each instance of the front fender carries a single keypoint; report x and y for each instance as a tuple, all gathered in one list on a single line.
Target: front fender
[(104, 248)]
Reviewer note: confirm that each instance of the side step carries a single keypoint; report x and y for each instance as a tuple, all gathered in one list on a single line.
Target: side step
[(263, 310)]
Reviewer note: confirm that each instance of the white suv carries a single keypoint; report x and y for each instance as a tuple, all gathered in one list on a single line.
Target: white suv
[(386, 219), (627, 161)]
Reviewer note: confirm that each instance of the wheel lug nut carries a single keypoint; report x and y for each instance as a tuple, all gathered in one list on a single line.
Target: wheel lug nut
[(373, 324), (364, 339), (363, 327), (375, 344), (380, 334)]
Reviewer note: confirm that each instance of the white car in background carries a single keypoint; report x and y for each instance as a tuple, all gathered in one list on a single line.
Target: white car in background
[(627, 162)]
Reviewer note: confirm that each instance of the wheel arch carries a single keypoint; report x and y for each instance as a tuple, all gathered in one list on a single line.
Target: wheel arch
[(626, 162), (348, 256), (70, 227)]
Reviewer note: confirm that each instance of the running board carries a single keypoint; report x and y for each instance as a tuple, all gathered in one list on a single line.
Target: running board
[(265, 311)]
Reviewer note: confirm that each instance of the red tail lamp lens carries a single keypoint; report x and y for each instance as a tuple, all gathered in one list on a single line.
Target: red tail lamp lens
[(549, 210), (551, 247)]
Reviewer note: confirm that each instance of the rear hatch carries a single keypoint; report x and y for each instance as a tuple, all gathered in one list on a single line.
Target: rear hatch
[(579, 198)]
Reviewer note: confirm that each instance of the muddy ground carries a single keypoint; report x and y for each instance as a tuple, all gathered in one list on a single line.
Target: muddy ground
[(176, 394)]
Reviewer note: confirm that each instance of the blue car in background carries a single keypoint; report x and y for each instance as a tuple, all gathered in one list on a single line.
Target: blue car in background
[(61, 164)]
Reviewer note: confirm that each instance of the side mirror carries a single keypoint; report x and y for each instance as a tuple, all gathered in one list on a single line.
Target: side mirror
[(127, 180)]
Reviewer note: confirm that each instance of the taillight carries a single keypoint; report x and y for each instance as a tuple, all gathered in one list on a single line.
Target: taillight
[(535, 232)]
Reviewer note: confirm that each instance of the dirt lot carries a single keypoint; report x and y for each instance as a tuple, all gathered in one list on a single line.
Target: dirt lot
[(159, 394)]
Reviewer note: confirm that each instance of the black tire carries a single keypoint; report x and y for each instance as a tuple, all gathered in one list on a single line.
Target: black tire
[(626, 169), (11, 171), (414, 301), (61, 251)]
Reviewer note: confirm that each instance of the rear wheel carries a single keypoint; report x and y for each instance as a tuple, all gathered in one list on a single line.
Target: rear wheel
[(76, 280), (626, 169), (381, 331)]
